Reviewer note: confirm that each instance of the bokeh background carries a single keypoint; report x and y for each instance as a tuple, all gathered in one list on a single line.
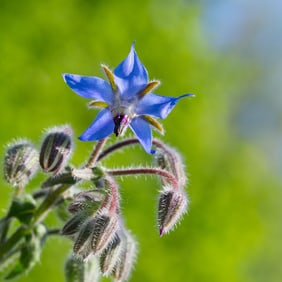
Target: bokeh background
[(226, 52)]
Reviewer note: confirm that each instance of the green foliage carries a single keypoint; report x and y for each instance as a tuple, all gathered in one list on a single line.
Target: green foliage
[(30, 252)]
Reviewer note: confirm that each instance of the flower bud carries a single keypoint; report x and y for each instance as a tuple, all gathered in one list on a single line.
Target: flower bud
[(172, 205), (82, 245), (125, 263), (73, 225), (104, 231), (90, 200), (94, 234), (20, 163), (56, 149), (111, 255)]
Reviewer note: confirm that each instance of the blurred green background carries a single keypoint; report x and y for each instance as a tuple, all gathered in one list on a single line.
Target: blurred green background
[(228, 53)]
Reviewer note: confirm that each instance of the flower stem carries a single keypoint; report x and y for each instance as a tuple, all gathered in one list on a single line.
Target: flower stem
[(124, 143), (113, 195), (54, 231), (145, 170), (95, 154), (117, 146)]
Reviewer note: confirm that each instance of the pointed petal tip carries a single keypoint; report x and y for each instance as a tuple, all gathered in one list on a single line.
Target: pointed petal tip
[(82, 138), (187, 95), (64, 75), (149, 150), (133, 45)]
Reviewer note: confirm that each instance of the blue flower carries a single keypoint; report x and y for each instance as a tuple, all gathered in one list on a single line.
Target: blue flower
[(125, 99)]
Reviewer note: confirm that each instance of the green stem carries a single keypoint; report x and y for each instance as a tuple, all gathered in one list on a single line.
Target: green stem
[(48, 202), (54, 231), (65, 178)]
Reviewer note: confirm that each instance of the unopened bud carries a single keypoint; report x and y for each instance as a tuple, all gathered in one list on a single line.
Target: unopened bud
[(125, 263), (20, 163), (73, 225), (104, 231), (86, 200), (82, 245), (172, 205), (56, 149), (111, 255), (95, 234)]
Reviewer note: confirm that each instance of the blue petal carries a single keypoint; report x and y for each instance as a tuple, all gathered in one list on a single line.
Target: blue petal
[(101, 127), (143, 132), (131, 74), (156, 105), (90, 87)]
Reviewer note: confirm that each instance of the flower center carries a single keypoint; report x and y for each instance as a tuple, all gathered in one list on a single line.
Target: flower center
[(121, 121)]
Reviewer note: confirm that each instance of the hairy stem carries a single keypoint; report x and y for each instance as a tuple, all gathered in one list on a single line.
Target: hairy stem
[(113, 195), (124, 143), (95, 154), (145, 170)]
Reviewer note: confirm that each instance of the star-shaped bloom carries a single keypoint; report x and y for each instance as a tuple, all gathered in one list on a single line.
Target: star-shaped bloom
[(126, 101)]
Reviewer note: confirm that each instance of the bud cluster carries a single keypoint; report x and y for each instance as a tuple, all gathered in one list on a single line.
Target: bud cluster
[(97, 230), (102, 245), (22, 159)]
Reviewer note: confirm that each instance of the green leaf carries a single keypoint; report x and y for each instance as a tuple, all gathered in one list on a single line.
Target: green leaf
[(30, 252)]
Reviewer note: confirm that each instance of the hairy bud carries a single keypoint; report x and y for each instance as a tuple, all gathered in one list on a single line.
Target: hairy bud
[(94, 234), (172, 205), (72, 226), (86, 200), (56, 149), (20, 163), (82, 245), (125, 263), (111, 255), (104, 231)]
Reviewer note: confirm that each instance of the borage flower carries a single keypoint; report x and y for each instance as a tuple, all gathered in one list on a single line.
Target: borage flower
[(126, 100)]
